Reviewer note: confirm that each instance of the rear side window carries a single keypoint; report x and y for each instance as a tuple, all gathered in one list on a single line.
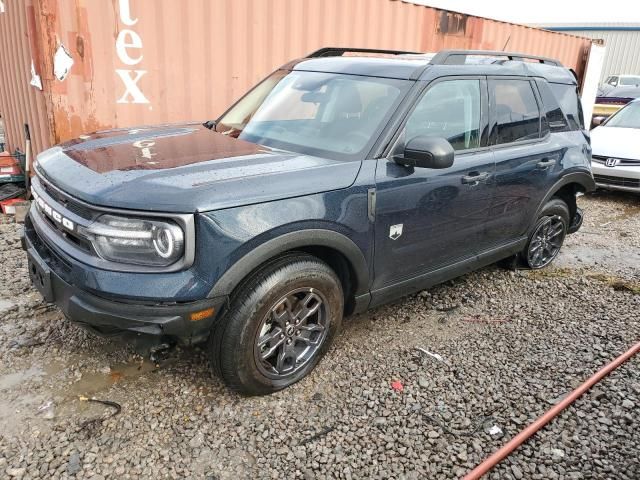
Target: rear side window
[(516, 111), (554, 119), (567, 96)]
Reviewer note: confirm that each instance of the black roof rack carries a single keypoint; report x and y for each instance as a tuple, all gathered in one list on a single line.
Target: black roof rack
[(339, 51), (457, 57)]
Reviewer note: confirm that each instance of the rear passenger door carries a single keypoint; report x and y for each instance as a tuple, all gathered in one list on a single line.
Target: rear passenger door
[(527, 157)]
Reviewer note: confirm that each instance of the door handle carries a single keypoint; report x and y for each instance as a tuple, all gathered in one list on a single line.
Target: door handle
[(545, 163), (474, 178)]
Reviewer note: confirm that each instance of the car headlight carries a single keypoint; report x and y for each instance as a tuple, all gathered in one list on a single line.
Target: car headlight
[(137, 241)]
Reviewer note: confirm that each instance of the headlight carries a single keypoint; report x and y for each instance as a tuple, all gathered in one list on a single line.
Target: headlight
[(137, 241)]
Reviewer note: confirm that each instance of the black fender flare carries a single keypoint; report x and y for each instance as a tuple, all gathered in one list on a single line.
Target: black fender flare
[(291, 241), (584, 179)]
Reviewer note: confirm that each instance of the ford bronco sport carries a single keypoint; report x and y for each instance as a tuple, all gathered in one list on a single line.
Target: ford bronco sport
[(342, 181)]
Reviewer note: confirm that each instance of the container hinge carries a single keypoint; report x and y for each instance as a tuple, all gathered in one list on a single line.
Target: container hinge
[(371, 204)]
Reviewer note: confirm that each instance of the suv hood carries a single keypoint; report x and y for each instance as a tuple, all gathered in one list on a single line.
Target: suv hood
[(185, 168)]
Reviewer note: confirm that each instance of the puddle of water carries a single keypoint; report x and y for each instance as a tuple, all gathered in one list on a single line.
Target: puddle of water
[(11, 380), (19, 402), (91, 383), (591, 255)]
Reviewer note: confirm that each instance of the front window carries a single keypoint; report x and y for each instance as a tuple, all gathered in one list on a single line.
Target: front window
[(630, 81), (324, 114), (450, 110), (628, 117)]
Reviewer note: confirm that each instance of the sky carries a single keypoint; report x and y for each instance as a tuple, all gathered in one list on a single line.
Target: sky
[(545, 11)]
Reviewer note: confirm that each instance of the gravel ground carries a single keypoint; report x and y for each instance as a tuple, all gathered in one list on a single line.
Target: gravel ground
[(508, 346)]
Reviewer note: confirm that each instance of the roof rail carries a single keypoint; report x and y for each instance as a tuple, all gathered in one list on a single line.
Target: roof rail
[(339, 51), (448, 57)]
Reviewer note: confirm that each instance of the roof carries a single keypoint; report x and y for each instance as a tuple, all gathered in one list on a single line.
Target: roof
[(408, 66), (591, 26)]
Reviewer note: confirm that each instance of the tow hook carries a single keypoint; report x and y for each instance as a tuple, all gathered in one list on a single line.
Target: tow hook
[(160, 352)]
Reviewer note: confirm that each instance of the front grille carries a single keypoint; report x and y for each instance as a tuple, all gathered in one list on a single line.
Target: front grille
[(66, 201), (621, 161), (619, 181), (61, 207), (74, 238)]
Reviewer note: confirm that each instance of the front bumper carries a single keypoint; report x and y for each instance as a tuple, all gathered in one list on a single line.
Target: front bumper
[(107, 317), (624, 178)]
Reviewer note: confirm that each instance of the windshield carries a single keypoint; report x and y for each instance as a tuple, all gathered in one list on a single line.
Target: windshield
[(323, 114), (630, 81), (628, 117)]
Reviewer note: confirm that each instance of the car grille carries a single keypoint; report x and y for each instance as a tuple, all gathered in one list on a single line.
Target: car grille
[(66, 206), (66, 201), (621, 161), (619, 181)]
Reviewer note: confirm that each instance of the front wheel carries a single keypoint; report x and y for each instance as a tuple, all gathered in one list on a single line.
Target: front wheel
[(548, 235), (280, 323)]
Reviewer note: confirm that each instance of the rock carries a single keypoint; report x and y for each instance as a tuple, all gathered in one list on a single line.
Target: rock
[(423, 382), (16, 472), (379, 421), (517, 473), (73, 465), (605, 421), (197, 440), (628, 404)]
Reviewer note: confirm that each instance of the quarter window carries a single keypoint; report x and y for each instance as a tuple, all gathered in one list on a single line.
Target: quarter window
[(567, 96), (516, 111), (555, 120), (451, 110)]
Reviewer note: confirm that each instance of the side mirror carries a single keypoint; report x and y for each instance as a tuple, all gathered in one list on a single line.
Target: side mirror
[(597, 121), (426, 152)]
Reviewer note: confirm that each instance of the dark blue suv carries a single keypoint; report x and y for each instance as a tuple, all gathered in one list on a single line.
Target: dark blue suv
[(342, 181)]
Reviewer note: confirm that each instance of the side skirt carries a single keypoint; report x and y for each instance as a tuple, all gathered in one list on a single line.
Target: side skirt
[(462, 267)]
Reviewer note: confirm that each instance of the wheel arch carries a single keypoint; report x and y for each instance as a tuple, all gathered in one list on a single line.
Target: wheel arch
[(566, 189), (336, 249)]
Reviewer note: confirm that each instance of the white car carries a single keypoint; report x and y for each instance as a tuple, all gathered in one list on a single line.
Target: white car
[(616, 150)]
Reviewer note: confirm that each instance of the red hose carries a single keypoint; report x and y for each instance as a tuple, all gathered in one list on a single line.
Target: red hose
[(524, 435)]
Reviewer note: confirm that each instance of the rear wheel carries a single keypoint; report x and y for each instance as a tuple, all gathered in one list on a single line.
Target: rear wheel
[(548, 235), (280, 323)]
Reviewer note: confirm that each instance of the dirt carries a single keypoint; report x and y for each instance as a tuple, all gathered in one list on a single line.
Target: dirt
[(496, 330)]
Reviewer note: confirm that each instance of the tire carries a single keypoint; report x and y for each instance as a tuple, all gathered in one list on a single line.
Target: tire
[(257, 347), (547, 235)]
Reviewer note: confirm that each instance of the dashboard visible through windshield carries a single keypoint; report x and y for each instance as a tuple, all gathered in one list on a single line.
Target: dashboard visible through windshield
[(324, 114)]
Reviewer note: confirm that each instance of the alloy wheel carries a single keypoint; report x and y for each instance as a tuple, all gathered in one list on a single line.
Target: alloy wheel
[(292, 332), (546, 241)]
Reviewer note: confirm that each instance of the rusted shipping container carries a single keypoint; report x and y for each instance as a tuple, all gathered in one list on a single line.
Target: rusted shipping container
[(118, 63)]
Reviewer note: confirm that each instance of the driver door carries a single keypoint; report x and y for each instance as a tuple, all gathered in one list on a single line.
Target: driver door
[(430, 218)]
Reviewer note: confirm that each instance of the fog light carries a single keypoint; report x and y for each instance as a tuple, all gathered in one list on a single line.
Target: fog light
[(202, 314)]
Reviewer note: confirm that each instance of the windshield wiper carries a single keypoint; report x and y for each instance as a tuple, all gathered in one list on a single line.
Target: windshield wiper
[(210, 124)]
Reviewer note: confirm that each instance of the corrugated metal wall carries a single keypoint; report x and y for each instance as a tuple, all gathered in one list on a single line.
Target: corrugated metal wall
[(150, 61), (20, 103), (622, 41)]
